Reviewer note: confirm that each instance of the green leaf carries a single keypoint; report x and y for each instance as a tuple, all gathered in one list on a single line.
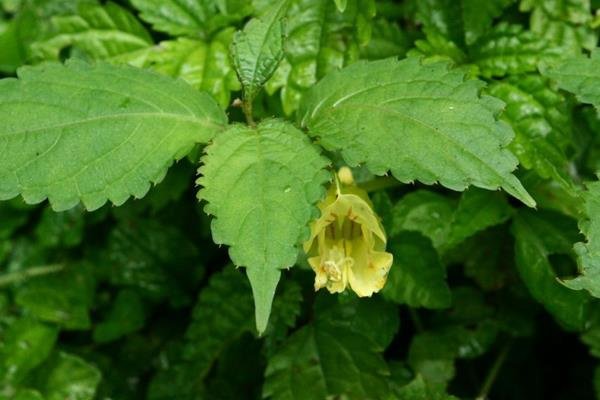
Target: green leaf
[(321, 360), (320, 40), (509, 49), (417, 277), (23, 347), (125, 316), (536, 238), (157, 260), (66, 376), (432, 353), (387, 40), (418, 390), (478, 16), (262, 183), (588, 253), (205, 65), (12, 55), (539, 118), (566, 23), (433, 125), (579, 75), (101, 132), (341, 5), (97, 32), (215, 324), (461, 23), (426, 212), (60, 229), (258, 49), (373, 317), (63, 298)]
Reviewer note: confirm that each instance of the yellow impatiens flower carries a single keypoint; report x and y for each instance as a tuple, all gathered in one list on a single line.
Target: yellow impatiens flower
[(347, 242)]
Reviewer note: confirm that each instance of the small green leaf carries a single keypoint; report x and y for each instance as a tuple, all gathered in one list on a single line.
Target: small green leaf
[(579, 75), (157, 260), (64, 298), (588, 253), (320, 40), (24, 346), (536, 238), (61, 229), (566, 23), (341, 5), (98, 32), (66, 376), (262, 183), (258, 49), (509, 49), (125, 316), (101, 132), (433, 124), (417, 277), (205, 65), (418, 390), (540, 120), (477, 210), (331, 362)]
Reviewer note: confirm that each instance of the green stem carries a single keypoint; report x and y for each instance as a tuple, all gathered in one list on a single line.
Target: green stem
[(247, 109), (18, 276), (493, 372), (380, 183)]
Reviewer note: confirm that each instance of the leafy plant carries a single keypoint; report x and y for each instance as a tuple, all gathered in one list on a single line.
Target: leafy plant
[(299, 199)]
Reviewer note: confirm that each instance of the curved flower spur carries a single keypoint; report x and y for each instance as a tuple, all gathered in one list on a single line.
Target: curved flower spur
[(347, 242)]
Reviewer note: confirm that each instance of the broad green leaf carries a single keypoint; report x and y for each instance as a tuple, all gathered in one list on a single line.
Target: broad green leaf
[(24, 346), (64, 298), (322, 360), (157, 260), (320, 39), (261, 185), (97, 32), (418, 390), (579, 75), (125, 316), (509, 49), (537, 236), (540, 120), (205, 65), (588, 253), (566, 23), (286, 310), (417, 277), (436, 47), (66, 376), (101, 132), (258, 49), (433, 125), (193, 18)]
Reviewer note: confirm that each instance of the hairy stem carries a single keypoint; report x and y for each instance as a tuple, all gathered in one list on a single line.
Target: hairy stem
[(247, 109)]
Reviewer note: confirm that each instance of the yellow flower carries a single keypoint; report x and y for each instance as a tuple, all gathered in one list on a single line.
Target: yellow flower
[(347, 242)]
